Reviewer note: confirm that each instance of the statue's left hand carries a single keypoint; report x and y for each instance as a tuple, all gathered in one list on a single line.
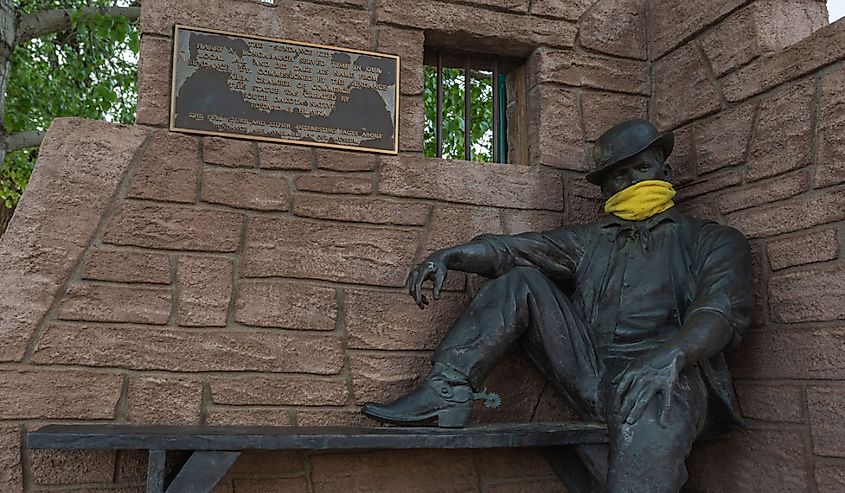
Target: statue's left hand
[(646, 377)]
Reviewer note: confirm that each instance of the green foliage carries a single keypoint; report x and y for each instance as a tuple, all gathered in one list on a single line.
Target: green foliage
[(89, 71), (481, 118)]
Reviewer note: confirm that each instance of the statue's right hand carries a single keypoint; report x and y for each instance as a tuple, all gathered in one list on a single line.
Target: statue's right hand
[(432, 269)]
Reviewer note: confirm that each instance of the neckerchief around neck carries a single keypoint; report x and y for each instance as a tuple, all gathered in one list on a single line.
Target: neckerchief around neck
[(641, 200)]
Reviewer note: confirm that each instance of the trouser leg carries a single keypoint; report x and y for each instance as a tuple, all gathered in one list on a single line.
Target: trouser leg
[(524, 304)]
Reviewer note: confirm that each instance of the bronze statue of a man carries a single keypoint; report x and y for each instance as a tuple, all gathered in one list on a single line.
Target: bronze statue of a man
[(627, 316)]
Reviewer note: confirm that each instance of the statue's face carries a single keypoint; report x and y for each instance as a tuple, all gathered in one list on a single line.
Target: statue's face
[(647, 165)]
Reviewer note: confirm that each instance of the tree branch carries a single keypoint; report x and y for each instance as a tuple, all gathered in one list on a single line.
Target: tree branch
[(37, 24), (23, 140)]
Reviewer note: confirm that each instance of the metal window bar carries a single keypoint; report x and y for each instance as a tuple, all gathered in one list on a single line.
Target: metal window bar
[(467, 110), (496, 110), (439, 122)]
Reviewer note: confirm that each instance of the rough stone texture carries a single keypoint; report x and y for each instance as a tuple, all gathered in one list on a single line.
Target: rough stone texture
[(547, 485), (408, 44), (80, 166), (248, 416), (803, 248), (189, 350), (229, 152), (616, 27), (362, 210), (453, 225), (286, 305), (552, 138), (154, 81), (709, 185), (358, 184), (266, 461), (168, 170), (108, 303), (784, 137), (801, 354), (800, 213), (281, 156), (127, 266), (511, 463), (279, 391), (722, 140), (58, 394), (411, 123), (760, 460), (245, 189), (498, 185), (204, 287), (344, 161), (174, 227), (519, 384), (301, 248), (11, 476), (808, 295), (583, 201), (516, 221), (60, 467), (384, 377), (564, 9), (164, 401), (771, 402), (281, 485), (765, 192), (831, 158), (830, 475), (602, 110), (332, 417), (673, 21), (683, 159), (685, 69), (377, 471), (567, 67), (827, 411), (381, 320)]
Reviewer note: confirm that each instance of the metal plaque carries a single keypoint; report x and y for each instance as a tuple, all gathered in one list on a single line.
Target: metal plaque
[(284, 91)]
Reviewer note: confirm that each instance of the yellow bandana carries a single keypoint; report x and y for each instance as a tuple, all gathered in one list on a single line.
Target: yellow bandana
[(641, 200)]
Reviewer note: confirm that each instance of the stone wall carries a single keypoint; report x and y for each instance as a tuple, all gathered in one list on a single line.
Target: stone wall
[(156, 277)]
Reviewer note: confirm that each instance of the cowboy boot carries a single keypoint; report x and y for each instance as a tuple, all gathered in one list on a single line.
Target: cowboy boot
[(444, 395)]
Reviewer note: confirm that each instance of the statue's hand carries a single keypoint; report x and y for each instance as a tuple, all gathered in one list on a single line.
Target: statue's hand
[(432, 269), (644, 378)]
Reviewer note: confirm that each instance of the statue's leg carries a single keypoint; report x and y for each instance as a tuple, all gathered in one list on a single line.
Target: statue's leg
[(646, 457)]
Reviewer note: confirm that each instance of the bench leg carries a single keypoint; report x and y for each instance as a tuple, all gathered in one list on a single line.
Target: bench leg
[(570, 469), (155, 472), (203, 470)]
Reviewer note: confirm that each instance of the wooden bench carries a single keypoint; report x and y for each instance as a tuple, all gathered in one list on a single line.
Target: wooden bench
[(215, 449)]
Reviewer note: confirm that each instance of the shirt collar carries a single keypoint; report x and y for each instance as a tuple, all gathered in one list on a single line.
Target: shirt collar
[(670, 215)]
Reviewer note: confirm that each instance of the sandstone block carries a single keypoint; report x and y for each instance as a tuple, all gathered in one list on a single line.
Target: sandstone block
[(278, 485), (519, 384), (570, 10), (408, 44), (331, 417), (802, 213), (683, 159), (827, 410), (229, 152), (385, 376), (673, 21), (787, 353), (376, 471), (810, 295), (60, 467), (204, 287), (301, 248), (511, 463), (127, 266), (349, 184), (381, 320), (286, 305), (154, 80), (764, 192), (10, 459), (683, 90), (771, 402), (625, 36), (784, 137), (164, 401), (245, 190), (830, 169), (80, 167), (583, 201), (497, 185), (281, 156), (548, 65), (453, 225), (59, 394), (208, 350), (518, 6), (345, 161), (411, 123), (248, 416), (543, 485), (721, 141), (602, 110), (168, 170), (761, 460), (710, 184), (174, 227), (344, 27), (279, 391), (267, 462), (804, 248), (362, 210), (517, 221), (106, 303), (160, 16), (830, 475), (554, 134)]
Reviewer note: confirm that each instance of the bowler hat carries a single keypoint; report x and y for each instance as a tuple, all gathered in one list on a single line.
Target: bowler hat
[(623, 141)]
